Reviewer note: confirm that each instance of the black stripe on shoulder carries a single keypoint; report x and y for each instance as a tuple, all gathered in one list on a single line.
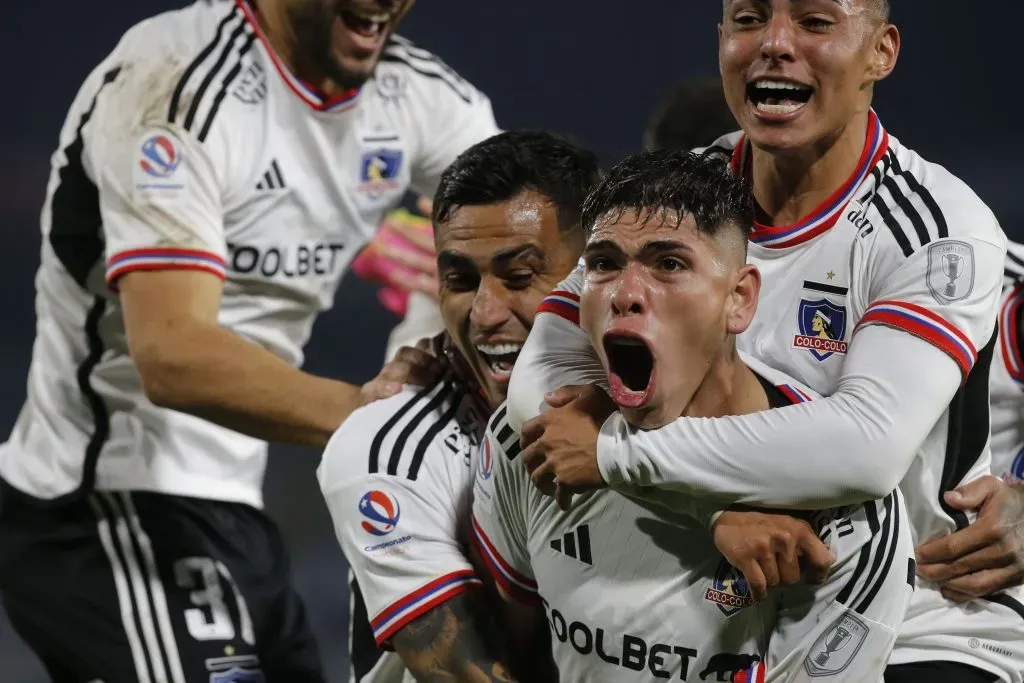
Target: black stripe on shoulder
[(418, 419), (892, 515), (382, 433), (880, 170), (506, 437), (222, 93), (942, 229), (218, 67), (1007, 602), (431, 434), (718, 152), (234, 15), (430, 70), (894, 226), (907, 207)]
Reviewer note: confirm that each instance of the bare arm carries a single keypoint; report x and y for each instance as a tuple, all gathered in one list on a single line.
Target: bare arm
[(189, 363), (448, 645)]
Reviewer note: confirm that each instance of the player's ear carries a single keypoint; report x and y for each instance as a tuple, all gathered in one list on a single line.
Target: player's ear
[(885, 51), (742, 302)]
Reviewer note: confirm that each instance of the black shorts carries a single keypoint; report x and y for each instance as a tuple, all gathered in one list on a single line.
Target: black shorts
[(151, 588), (937, 672)]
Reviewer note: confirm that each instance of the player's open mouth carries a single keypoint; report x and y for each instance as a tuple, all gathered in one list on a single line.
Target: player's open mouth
[(777, 97), (630, 369), (499, 359), (367, 22)]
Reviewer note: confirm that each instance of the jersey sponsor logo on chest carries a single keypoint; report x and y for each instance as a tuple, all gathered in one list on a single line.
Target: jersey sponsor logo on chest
[(292, 260), (821, 320)]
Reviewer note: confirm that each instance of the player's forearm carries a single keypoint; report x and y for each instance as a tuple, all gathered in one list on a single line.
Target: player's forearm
[(445, 646), (214, 374), (845, 449)]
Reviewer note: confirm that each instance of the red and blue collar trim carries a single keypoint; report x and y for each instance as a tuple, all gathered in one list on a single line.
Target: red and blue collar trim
[(829, 211), (304, 91)]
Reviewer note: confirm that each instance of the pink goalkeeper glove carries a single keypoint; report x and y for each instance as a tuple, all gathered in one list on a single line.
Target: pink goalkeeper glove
[(401, 258)]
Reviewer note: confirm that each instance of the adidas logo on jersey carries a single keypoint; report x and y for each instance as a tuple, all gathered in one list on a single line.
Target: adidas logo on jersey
[(272, 178), (575, 544)]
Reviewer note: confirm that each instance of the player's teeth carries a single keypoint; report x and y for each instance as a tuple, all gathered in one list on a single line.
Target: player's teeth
[(498, 349), (778, 85), (779, 108)]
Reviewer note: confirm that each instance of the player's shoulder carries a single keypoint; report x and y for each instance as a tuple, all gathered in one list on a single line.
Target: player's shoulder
[(407, 72), (723, 147), (396, 436), (794, 390), (1013, 269), (177, 68), (917, 202)]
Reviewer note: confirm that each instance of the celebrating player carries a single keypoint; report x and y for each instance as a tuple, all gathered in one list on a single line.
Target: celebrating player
[(216, 174), (1008, 373), (398, 475), (905, 261), (629, 590)]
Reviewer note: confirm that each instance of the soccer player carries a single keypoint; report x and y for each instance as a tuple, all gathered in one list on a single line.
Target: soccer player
[(691, 115), (904, 259), (215, 175), (1008, 373), (631, 591), (398, 475)]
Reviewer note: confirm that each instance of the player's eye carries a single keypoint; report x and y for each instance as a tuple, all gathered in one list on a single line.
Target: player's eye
[(461, 282), (671, 264), (746, 18), (519, 279), (817, 23), (601, 264)]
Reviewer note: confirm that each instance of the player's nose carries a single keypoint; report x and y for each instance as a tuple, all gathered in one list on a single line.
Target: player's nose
[(491, 307), (629, 296), (778, 39)]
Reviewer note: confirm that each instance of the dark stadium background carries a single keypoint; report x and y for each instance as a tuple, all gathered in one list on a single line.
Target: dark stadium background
[(592, 70)]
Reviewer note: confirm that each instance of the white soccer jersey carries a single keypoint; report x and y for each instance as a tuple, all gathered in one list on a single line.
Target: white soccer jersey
[(1007, 383), (397, 478), (898, 274), (633, 591), (191, 147)]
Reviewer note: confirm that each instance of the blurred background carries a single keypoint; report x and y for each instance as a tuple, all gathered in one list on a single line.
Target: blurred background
[(594, 71)]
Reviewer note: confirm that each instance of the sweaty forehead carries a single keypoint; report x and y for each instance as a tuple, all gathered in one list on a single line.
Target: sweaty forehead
[(527, 216), (632, 225)]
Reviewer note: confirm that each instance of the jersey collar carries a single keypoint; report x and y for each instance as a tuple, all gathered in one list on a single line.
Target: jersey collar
[(829, 211), (304, 91)]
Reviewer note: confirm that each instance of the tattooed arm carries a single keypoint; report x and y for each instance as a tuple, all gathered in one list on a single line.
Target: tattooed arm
[(448, 644)]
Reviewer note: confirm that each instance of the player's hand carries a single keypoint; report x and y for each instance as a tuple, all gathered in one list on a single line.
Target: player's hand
[(771, 549), (987, 556), (560, 445), (420, 365)]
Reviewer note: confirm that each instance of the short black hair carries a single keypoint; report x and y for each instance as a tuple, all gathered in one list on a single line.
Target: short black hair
[(692, 114), (675, 181), (507, 164)]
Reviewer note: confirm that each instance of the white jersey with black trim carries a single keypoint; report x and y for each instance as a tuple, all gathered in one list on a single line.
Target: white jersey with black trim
[(884, 300), (1007, 383), (191, 147), (634, 592), (397, 479)]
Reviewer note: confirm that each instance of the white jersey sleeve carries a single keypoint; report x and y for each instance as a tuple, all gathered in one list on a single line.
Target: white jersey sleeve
[(557, 353), (499, 508), (162, 163), (394, 494), (451, 115), (845, 629)]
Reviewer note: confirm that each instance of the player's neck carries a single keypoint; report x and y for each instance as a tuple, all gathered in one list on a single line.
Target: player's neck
[(729, 388), (282, 40), (789, 186)]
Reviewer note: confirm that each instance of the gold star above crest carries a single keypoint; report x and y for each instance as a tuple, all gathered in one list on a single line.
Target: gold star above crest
[(830, 275), (228, 650)]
